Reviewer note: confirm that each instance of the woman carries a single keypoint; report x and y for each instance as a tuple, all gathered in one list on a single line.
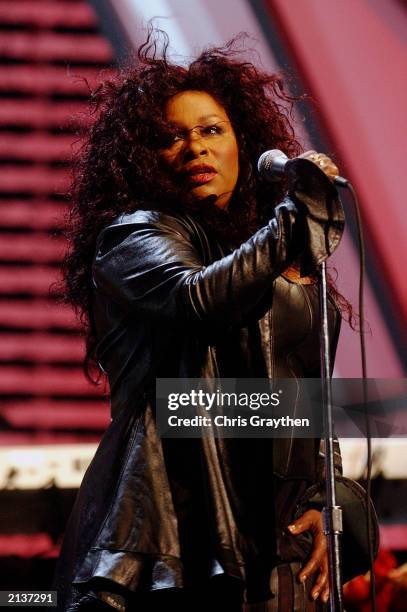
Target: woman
[(183, 266)]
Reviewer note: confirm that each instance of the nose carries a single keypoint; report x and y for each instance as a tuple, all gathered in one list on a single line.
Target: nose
[(194, 145)]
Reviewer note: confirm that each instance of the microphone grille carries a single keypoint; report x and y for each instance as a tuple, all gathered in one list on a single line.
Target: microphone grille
[(267, 159)]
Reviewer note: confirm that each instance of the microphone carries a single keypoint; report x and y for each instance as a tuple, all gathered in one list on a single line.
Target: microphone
[(271, 166)]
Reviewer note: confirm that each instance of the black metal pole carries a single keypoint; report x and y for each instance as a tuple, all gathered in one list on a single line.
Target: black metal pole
[(332, 514)]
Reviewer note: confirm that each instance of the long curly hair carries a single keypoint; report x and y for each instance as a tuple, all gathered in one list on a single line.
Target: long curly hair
[(118, 169)]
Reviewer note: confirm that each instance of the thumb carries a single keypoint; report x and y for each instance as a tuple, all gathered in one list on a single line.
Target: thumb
[(298, 526), (308, 521)]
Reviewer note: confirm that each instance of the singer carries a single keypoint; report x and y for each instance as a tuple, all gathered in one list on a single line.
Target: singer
[(186, 262)]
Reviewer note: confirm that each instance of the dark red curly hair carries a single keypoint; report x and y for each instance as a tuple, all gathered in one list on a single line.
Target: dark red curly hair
[(118, 167)]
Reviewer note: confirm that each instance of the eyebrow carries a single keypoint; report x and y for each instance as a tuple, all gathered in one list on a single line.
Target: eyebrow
[(207, 117), (213, 116)]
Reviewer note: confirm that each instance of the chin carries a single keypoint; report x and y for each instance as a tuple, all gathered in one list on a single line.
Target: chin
[(203, 191)]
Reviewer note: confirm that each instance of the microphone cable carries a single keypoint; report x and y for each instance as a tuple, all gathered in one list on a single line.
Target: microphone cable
[(362, 270)]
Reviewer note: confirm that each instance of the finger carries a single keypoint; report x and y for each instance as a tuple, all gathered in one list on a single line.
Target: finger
[(322, 577), (331, 173), (309, 153), (311, 519), (331, 170), (300, 525), (322, 160), (310, 567), (325, 594), (310, 156), (317, 559), (322, 582), (326, 164)]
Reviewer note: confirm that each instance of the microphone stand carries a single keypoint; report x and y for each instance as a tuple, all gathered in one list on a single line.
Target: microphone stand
[(331, 513)]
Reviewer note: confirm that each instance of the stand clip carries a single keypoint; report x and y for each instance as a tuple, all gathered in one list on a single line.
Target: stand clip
[(332, 519)]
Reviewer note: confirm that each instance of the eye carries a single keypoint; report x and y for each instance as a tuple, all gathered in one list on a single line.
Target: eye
[(177, 136), (211, 130), (170, 136)]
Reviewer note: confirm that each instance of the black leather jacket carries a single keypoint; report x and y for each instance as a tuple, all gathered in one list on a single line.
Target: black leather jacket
[(172, 301)]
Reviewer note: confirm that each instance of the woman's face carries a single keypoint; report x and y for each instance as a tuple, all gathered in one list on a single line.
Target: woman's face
[(204, 150)]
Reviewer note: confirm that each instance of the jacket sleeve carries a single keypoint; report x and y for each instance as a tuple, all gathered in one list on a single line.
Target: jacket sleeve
[(152, 268)]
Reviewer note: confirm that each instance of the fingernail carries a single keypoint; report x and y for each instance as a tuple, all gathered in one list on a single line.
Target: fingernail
[(315, 594), (292, 527), (303, 578)]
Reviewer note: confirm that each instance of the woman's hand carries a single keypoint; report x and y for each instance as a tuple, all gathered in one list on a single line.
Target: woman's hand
[(312, 521), (323, 162)]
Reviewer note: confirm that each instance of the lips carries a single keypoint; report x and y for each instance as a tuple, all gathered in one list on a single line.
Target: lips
[(201, 174)]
